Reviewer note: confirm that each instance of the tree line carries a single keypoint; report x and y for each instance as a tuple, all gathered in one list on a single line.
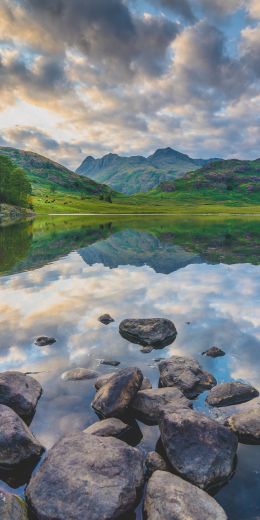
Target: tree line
[(15, 188)]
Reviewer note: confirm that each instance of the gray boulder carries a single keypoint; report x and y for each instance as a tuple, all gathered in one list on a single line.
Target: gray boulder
[(12, 507), (148, 404), (113, 398), (85, 476), (112, 427), (154, 332), (246, 425), (154, 462), (20, 392), (105, 319), (199, 449), (79, 374), (168, 497), (43, 341), (185, 374), (214, 352), (227, 394), (19, 449)]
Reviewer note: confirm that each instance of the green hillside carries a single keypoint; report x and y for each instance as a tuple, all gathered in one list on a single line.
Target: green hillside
[(139, 174)]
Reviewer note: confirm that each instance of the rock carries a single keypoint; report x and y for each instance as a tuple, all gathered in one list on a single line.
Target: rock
[(199, 449), (110, 362), (113, 398), (79, 374), (246, 425), (154, 332), (19, 449), (146, 384), (186, 374), (102, 380), (105, 319), (43, 341), (230, 393), (108, 428), (20, 392), (154, 462), (214, 352), (85, 476), (168, 497), (146, 350), (12, 507), (148, 404)]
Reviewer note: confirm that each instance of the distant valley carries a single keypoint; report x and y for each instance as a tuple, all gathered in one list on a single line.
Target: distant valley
[(137, 173)]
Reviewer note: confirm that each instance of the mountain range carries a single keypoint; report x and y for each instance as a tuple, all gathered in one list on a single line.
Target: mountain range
[(137, 173)]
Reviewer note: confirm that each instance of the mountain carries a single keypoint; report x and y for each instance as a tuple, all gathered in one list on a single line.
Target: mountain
[(139, 174), (51, 176)]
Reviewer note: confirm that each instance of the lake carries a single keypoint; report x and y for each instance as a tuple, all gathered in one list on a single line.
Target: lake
[(59, 274)]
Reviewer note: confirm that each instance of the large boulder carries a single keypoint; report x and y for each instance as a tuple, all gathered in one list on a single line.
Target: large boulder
[(113, 398), (230, 393), (19, 449), (199, 449), (20, 392), (246, 425), (185, 374), (155, 332), (12, 507), (168, 497), (148, 404), (85, 476), (79, 374)]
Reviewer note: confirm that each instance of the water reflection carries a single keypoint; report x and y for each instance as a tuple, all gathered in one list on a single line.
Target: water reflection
[(138, 274)]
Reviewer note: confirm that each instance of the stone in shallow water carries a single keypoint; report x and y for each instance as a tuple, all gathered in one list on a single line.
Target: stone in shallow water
[(20, 392), (154, 462), (186, 374), (112, 427), (246, 425), (148, 404), (105, 319), (168, 497), (43, 341), (85, 476), (154, 332), (79, 374), (113, 398), (12, 507), (19, 449), (111, 362), (102, 380), (214, 352), (230, 393), (199, 449)]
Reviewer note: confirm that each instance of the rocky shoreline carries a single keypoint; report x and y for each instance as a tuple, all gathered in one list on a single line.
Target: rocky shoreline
[(100, 473)]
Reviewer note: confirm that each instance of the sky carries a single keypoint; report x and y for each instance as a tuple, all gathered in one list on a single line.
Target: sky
[(89, 77)]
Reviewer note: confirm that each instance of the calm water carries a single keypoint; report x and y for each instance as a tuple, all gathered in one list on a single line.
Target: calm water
[(58, 275)]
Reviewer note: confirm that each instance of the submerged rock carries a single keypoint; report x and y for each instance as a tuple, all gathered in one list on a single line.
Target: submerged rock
[(110, 362), (227, 394), (19, 449), (148, 404), (246, 425), (214, 352), (20, 392), (112, 427), (199, 449), (85, 476), (79, 374), (155, 462), (105, 319), (154, 332), (146, 350), (43, 341), (168, 497), (102, 380), (185, 374), (113, 398), (12, 507)]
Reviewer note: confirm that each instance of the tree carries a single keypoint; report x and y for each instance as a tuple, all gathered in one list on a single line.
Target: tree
[(15, 188)]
